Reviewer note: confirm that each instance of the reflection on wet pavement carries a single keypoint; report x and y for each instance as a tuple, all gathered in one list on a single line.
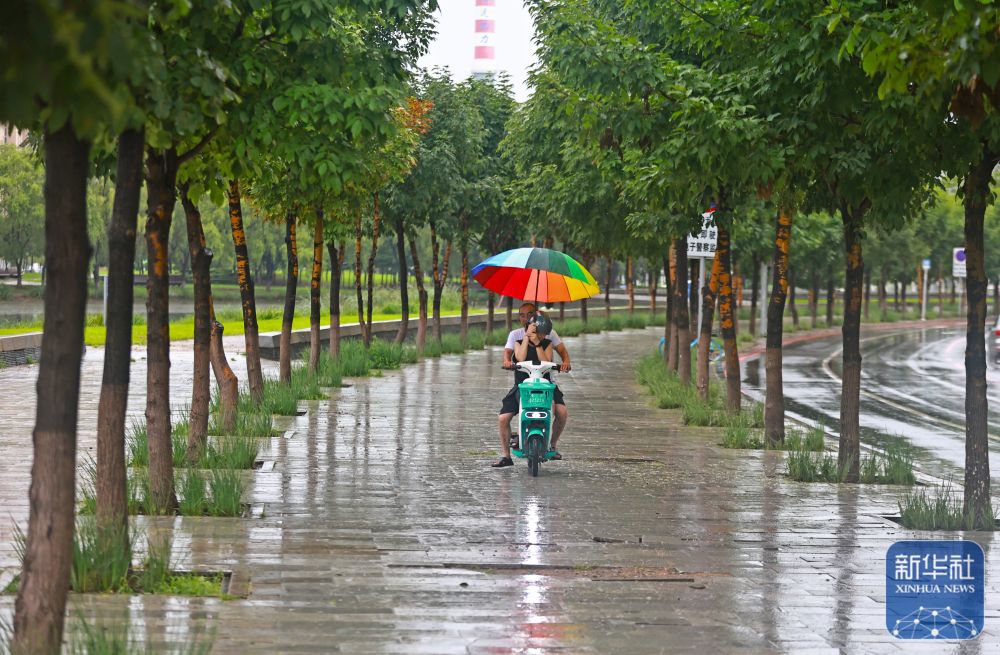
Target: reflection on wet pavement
[(913, 386), (385, 530)]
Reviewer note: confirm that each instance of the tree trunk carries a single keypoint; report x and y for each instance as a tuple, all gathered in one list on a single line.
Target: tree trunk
[(404, 282), (229, 385), (336, 273), (791, 296), (849, 453), (255, 376), (491, 302), (201, 390), (418, 274), (376, 223), (464, 281), (607, 287), (868, 291), (653, 279), (754, 289), (41, 598), (708, 297), (161, 173), (683, 322), (774, 403), (831, 300), (902, 295), (112, 505), (440, 276), (814, 299), (895, 295), (883, 300), (291, 289), (977, 508), (727, 321), (629, 285), (314, 291), (365, 337), (509, 317)]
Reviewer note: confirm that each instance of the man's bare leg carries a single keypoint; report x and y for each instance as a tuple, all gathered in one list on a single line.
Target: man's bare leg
[(562, 415), (504, 424)]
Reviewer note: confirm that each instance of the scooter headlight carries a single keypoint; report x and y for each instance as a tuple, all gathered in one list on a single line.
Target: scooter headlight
[(536, 415)]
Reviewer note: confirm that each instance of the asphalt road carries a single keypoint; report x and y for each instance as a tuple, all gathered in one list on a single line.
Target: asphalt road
[(912, 387)]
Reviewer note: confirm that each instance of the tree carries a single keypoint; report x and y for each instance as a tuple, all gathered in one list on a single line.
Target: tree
[(63, 74), (944, 56), (21, 207)]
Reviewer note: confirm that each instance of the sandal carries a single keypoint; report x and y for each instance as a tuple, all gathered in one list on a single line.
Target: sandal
[(552, 455), (502, 462)]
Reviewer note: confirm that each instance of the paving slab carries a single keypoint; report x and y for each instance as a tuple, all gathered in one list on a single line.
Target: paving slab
[(384, 530)]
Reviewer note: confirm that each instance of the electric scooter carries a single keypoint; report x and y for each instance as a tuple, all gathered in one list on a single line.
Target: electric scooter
[(535, 418)]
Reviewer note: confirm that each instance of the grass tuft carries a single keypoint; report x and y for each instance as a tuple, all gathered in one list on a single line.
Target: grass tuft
[(940, 510)]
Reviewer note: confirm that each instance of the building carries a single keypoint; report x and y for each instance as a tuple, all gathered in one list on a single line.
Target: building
[(10, 135), (484, 51)]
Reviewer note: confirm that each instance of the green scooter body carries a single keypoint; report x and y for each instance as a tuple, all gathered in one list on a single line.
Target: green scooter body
[(535, 417)]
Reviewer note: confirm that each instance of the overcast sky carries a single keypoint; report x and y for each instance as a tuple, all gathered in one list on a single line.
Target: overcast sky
[(515, 52)]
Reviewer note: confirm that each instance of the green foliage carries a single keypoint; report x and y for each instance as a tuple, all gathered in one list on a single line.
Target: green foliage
[(329, 373), (940, 510), (102, 559), (353, 359), (279, 398), (226, 487), (738, 435), (385, 354), (804, 466), (191, 497)]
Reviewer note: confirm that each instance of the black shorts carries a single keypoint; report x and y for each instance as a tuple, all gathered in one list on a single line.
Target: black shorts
[(512, 401)]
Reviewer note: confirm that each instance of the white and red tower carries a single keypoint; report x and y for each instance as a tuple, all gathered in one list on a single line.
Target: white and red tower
[(484, 54)]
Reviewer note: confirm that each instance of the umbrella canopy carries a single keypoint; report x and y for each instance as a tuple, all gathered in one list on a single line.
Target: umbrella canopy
[(536, 274)]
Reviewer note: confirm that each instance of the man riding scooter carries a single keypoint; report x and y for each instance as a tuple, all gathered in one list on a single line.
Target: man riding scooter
[(535, 346)]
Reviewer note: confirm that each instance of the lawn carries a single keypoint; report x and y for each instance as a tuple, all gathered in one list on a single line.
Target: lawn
[(184, 328)]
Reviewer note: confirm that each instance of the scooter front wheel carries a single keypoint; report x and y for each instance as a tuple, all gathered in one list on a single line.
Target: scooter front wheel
[(535, 454)]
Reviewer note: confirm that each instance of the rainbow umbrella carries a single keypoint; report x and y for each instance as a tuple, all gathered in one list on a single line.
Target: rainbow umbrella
[(537, 274)]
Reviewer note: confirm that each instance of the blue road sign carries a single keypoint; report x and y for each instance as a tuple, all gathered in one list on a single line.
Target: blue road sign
[(934, 589)]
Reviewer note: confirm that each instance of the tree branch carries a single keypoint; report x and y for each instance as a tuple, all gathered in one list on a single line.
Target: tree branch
[(193, 152)]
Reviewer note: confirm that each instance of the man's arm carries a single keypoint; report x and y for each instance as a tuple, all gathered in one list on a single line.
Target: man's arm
[(565, 367), (508, 363)]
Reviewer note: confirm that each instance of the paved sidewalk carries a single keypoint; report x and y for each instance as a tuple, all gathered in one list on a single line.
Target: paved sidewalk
[(385, 530)]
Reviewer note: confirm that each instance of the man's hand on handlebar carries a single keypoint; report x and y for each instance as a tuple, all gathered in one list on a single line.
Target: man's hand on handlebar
[(565, 367), (508, 365)]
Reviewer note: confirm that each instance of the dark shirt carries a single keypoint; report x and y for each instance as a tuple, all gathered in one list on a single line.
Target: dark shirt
[(519, 375)]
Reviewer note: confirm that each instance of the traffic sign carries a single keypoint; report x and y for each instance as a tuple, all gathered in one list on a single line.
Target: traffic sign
[(958, 262), (703, 245), (927, 265)]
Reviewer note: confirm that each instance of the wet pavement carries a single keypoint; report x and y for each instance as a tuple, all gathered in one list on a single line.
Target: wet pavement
[(385, 531), (912, 386)]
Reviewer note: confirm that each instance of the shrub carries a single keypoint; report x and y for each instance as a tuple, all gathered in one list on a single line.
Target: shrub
[(192, 499), (637, 321), (102, 559), (279, 398), (248, 424), (451, 344), (475, 339), (328, 373), (385, 354), (353, 359), (226, 486), (739, 435), (940, 511)]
